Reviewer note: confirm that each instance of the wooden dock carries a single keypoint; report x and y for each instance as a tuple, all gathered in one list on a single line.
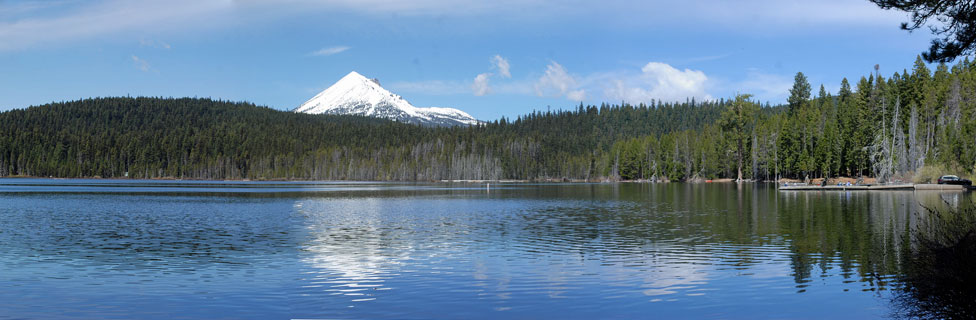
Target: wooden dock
[(890, 187)]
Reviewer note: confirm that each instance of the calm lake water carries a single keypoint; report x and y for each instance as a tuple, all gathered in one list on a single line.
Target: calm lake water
[(270, 250)]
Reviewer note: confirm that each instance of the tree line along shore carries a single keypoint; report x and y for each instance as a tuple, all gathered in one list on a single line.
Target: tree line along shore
[(910, 126)]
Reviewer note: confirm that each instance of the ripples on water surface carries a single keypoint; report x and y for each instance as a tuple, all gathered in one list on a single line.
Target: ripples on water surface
[(151, 249)]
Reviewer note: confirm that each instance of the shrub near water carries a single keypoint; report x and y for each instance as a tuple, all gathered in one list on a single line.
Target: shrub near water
[(931, 173), (938, 281)]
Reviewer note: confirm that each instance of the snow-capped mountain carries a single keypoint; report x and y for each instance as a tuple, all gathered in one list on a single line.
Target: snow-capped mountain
[(355, 94)]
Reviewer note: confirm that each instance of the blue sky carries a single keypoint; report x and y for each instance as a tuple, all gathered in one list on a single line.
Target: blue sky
[(489, 58)]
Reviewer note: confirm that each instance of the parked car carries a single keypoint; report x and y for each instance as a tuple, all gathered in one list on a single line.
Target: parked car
[(950, 179)]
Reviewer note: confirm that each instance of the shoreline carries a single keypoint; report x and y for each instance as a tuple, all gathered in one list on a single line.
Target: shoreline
[(552, 180)]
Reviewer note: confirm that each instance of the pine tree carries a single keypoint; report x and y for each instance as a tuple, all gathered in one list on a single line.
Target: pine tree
[(737, 122)]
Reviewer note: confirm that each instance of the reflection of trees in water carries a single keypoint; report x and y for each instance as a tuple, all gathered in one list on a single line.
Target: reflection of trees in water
[(922, 244), (674, 230), (858, 231), (939, 281)]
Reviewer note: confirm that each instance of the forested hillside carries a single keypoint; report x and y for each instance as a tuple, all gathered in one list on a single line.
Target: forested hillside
[(206, 139), (888, 127)]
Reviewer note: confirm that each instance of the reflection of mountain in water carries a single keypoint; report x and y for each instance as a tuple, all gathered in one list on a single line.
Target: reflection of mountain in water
[(459, 251), (352, 255), (670, 240)]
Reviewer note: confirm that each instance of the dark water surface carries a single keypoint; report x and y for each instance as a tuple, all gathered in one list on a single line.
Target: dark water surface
[(279, 250)]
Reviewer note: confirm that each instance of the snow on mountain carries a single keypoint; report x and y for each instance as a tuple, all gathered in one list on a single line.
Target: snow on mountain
[(355, 94)]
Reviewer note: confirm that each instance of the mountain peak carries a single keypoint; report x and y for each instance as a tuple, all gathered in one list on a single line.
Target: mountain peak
[(357, 77), (355, 94)]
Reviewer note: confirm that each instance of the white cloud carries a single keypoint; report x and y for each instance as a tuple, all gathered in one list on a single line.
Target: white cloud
[(71, 21), (415, 7), (12, 9), (655, 80), (30, 23), (450, 87), (755, 14), (329, 51), (557, 82), (658, 81), (154, 44), (627, 93), (669, 78), (434, 87), (765, 86), (480, 85), (826, 13), (141, 64), (501, 65), (576, 95)]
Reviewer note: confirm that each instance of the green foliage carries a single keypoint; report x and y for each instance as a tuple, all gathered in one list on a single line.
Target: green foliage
[(738, 122), (937, 261), (799, 94), (207, 139), (955, 27), (820, 136)]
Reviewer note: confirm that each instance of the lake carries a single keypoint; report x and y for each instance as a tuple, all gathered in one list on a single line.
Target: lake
[(348, 250)]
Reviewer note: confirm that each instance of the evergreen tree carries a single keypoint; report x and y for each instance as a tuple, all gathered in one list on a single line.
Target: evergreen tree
[(912, 119), (737, 122)]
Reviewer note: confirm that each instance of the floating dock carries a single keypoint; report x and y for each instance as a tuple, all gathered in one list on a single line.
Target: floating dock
[(939, 187)]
